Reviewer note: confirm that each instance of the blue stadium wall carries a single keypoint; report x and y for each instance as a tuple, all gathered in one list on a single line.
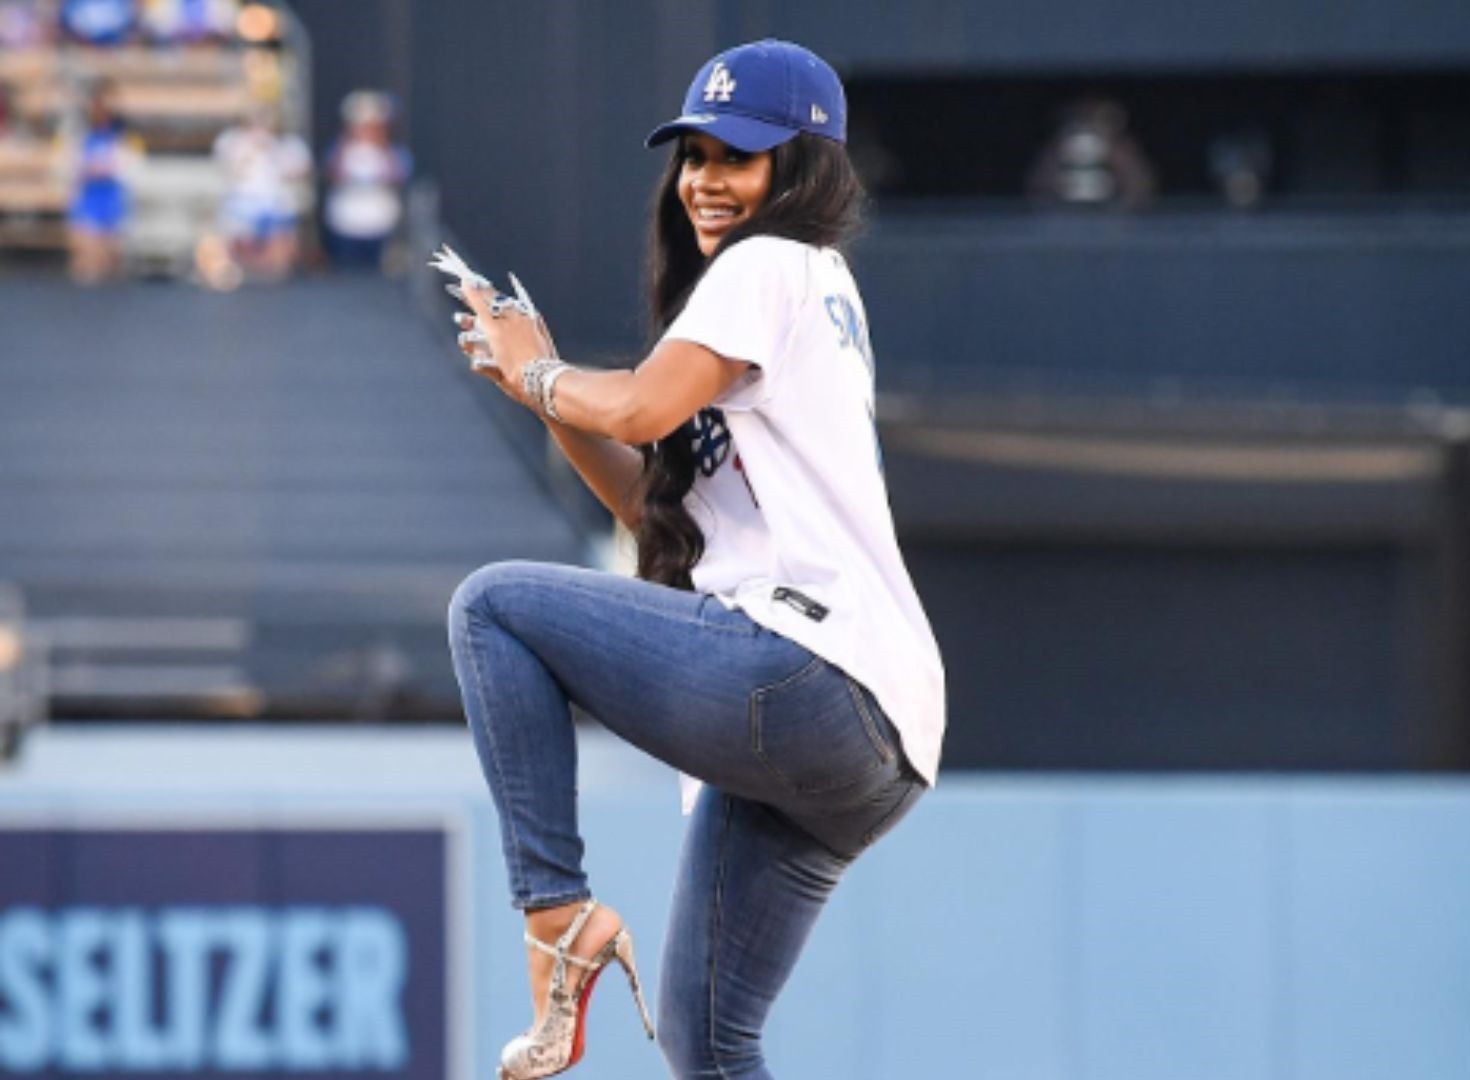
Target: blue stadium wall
[(1050, 928)]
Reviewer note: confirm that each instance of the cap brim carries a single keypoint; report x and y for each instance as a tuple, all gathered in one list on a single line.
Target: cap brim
[(742, 132)]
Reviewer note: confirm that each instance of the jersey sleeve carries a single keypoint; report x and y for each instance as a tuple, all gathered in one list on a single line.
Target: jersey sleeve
[(744, 309)]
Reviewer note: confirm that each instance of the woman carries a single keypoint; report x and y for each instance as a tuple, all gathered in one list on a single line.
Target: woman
[(263, 169), (774, 646), (107, 157), (366, 174)]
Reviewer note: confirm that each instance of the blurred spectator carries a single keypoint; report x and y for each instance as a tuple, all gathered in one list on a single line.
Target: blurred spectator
[(99, 22), (106, 157), (366, 173), (1240, 162), (24, 24), (263, 171), (15, 125), (1093, 161), (190, 22)]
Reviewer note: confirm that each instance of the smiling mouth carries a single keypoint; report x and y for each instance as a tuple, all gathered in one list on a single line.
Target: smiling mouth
[(715, 215)]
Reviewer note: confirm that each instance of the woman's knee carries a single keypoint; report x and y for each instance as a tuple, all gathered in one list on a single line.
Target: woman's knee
[(483, 593), (697, 1047), (679, 1042), (684, 1027), (686, 1047)]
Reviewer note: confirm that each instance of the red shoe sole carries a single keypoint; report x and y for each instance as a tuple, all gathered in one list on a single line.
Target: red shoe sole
[(579, 1041)]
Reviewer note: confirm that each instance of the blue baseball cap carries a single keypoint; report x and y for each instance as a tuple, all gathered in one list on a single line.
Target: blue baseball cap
[(757, 96)]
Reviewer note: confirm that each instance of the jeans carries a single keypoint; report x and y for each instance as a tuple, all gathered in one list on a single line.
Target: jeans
[(803, 770)]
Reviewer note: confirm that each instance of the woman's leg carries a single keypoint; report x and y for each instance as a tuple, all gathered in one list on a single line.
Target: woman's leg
[(751, 885), (807, 769), (670, 671)]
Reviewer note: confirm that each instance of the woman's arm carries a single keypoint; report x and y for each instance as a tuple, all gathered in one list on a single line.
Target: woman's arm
[(631, 407), (634, 407), (609, 469), (605, 414)]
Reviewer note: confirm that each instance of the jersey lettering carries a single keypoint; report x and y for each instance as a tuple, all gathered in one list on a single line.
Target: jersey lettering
[(740, 468), (711, 441), (720, 84), (852, 332)]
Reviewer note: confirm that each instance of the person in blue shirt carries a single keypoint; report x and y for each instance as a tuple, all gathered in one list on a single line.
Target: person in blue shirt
[(99, 22), (106, 155)]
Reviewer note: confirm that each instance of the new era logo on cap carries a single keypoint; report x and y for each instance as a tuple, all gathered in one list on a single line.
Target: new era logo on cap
[(757, 96)]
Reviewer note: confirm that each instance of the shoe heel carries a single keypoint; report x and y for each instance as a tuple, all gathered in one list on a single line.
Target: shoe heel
[(623, 950)]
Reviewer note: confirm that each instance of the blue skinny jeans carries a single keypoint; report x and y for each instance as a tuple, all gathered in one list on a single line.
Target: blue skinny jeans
[(803, 772)]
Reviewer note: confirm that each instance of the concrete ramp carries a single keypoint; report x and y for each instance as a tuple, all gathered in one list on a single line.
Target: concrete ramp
[(306, 469)]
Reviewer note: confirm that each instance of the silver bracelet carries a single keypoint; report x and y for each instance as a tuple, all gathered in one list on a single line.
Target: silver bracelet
[(537, 379), (548, 390)]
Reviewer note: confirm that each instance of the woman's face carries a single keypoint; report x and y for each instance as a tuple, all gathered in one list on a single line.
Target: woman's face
[(719, 186)]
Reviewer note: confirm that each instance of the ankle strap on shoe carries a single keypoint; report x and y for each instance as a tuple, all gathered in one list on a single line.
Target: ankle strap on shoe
[(551, 950), (562, 949)]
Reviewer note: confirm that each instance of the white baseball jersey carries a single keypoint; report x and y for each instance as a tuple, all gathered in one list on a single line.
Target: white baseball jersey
[(789, 490)]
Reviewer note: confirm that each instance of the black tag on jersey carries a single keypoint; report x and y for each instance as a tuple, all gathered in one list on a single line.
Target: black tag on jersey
[(801, 602)]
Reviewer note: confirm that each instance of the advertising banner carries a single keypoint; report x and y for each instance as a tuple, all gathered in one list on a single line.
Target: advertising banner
[(226, 952)]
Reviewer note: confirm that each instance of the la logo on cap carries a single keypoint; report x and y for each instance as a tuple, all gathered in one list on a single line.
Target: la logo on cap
[(720, 85), (819, 114)]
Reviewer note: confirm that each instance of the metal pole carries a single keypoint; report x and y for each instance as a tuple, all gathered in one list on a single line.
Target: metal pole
[(1449, 742)]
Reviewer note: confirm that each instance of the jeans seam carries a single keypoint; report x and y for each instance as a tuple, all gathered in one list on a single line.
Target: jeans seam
[(519, 885), (756, 709), (757, 701), (573, 586), (886, 752), (871, 836), (717, 923)]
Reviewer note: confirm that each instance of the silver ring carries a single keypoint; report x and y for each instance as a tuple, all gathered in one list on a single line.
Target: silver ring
[(503, 303)]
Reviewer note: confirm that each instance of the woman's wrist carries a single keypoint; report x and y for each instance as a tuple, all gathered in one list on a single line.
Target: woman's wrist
[(538, 384)]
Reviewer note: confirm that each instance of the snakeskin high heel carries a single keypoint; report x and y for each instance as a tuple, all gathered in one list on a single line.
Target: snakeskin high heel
[(556, 1043)]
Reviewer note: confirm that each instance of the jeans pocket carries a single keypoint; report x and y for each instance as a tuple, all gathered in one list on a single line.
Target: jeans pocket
[(713, 613), (816, 730)]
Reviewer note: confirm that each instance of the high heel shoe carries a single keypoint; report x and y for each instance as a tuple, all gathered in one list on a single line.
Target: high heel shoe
[(556, 1043)]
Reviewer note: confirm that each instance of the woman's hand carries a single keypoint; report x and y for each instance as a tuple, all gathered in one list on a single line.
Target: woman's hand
[(514, 339), (632, 407), (511, 339)]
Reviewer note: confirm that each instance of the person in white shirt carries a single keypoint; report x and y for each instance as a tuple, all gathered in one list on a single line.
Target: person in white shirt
[(772, 645), (265, 171), (366, 173)]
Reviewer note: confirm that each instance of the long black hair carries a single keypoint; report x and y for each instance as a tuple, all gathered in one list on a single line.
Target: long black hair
[(815, 198)]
